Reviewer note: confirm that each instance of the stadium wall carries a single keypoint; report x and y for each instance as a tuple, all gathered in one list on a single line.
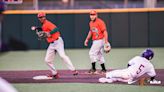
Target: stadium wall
[(126, 27)]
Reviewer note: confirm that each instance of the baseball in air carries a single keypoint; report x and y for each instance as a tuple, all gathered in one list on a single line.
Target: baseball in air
[(33, 28)]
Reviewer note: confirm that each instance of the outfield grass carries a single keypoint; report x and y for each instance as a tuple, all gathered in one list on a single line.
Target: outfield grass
[(117, 58)]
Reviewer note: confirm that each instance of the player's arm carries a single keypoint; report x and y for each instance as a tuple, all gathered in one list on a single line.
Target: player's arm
[(54, 31), (152, 75), (104, 30), (106, 36), (87, 39)]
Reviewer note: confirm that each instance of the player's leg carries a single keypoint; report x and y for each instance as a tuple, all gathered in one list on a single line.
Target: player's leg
[(102, 61), (50, 54), (93, 53), (93, 58), (118, 75), (105, 80), (110, 77), (6, 87), (64, 57)]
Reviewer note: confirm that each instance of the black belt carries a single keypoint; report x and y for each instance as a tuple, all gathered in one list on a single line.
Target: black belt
[(55, 40)]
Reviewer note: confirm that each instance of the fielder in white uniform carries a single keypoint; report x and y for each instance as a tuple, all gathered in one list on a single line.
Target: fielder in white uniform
[(137, 66), (6, 87)]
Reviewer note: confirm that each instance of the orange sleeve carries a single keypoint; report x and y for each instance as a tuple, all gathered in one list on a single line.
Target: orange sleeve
[(51, 26)]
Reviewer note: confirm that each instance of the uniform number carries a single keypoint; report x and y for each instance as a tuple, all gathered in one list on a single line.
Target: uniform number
[(140, 68)]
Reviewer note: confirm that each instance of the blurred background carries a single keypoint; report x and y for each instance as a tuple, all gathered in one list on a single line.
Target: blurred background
[(130, 23), (132, 26), (80, 4)]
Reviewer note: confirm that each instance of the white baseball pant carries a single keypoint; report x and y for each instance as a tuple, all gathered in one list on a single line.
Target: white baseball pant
[(96, 51), (58, 46), (119, 75)]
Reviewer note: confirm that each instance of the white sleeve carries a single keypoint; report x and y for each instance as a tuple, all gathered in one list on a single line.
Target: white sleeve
[(131, 62), (151, 72)]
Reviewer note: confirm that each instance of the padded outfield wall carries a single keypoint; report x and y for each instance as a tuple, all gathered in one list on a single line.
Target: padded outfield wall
[(126, 27)]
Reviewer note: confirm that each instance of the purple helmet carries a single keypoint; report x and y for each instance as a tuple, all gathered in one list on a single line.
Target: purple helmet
[(148, 54)]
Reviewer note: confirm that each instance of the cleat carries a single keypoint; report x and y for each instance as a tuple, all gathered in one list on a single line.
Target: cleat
[(53, 76), (92, 71), (75, 72), (102, 72), (132, 82)]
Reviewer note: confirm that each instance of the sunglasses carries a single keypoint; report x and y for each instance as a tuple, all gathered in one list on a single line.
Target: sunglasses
[(92, 14), (41, 17)]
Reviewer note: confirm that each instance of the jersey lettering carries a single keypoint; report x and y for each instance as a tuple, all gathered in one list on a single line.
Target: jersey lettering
[(140, 68)]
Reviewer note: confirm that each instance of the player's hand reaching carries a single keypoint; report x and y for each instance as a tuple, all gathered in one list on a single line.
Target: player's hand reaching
[(86, 42)]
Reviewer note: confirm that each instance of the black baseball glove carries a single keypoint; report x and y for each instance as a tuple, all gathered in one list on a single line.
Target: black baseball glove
[(42, 35)]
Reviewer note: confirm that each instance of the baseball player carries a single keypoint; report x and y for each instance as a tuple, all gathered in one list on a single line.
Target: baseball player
[(99, 35), (56, 44), (137, 66), (6, 87)]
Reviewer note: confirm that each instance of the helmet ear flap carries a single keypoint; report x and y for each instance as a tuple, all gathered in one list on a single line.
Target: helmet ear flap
[(150, 58)]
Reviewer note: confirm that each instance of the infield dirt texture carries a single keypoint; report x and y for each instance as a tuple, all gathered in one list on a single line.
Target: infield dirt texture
[(65, 77)]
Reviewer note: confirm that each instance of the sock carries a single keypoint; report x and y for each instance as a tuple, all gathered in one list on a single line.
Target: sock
[(103, 66), (94, 65)]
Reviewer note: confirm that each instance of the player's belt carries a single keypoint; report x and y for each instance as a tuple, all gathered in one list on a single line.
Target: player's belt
[(55, 40)]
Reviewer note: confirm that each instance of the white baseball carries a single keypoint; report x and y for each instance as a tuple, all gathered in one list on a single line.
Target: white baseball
[(33, 28)]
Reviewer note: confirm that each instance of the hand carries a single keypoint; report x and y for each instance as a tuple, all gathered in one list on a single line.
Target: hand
[(33, 27), (48, 34), (107, 47), (86, 43), (106, 42)]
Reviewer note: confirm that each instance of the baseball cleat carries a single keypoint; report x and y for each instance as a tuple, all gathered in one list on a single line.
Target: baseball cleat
[(56, 76), (92, 71), (46, 77), (105, 80), (131, 82), (102, 72), (75, 72)]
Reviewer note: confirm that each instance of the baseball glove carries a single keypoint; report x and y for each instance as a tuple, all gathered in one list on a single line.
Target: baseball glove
[(42, 35), (107, 47)]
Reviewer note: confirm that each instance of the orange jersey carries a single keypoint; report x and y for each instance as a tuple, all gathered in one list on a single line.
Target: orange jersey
[(97, 29), (48, 27)]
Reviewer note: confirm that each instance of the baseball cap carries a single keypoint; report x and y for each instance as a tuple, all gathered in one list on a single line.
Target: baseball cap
[(41, 14), (93, 12)]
